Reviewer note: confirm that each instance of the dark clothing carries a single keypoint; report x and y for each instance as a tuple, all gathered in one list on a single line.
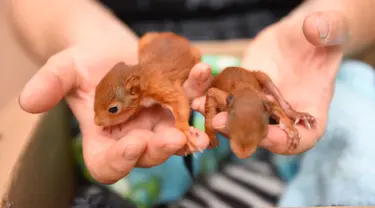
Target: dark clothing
[(201, 19)]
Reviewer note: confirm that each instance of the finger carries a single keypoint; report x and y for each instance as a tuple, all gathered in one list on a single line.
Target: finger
[(49, 85), (277, 141), (326, 28), (202, 143), (219, 123), (110, 160), (202, 139), (198, 104), (198, 81), (161, 146)]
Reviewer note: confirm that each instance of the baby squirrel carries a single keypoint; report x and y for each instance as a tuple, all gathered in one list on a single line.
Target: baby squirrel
[(243, 94), (165, 61)]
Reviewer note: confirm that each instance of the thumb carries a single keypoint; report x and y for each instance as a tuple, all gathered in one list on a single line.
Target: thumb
[(50, 84), (326, 28)]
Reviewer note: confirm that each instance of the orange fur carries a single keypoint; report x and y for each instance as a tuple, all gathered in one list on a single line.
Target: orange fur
[(165, 61), (242, 93)]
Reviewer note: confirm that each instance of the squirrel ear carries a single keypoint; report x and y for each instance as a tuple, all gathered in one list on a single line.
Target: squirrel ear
[(230, 99), (133, 84)]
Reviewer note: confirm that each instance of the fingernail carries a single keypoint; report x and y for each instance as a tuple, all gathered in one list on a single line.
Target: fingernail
[(132, 151), (26, 93), (323, 27), (219, 121), (266, 143), (196, 103)]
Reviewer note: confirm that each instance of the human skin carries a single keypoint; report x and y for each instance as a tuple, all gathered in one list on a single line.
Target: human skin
[(165, 62), (289, 51), (250, 97), (77, 42), (301, 53)]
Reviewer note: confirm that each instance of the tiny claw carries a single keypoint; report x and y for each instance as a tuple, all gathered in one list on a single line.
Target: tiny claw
[(308, 120), (296, 121), (293, 136), (307, 123), (107, 129)]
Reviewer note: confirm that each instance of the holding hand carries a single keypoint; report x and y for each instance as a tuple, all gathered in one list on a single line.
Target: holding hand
[(302, 57), (148, 140)]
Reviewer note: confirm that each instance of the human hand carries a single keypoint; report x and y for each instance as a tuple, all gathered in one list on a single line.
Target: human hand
[(148, 140), (302, 57)]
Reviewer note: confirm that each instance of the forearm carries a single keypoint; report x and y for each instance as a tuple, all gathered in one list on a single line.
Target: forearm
[(359, 16), (46, 27)]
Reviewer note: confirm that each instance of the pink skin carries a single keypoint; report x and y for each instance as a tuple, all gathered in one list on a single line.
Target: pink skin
[(109, 123)]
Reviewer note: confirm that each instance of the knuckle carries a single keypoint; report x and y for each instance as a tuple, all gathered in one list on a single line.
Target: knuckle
[(105, 179), (54, 59), (148, 165), (149, 162), (98, 175), (131, 152), (60, 60)]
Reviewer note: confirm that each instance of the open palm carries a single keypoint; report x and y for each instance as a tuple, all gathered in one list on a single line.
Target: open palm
[(303, 72), (305, 75), (148, 140)]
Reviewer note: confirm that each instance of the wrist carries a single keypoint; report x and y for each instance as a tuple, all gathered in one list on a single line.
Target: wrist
[(100, 27), (115, 40), (62, 24)]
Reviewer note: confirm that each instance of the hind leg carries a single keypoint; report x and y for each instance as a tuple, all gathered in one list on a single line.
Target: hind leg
[(172, 96), (268, 86), (215, 100), (285, 123)]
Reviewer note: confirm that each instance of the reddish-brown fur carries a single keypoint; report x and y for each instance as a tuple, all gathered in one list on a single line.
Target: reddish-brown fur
[(165, 61), (243, 94)]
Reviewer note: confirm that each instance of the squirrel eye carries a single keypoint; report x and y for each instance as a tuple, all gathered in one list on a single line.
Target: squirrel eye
[(113, 109)]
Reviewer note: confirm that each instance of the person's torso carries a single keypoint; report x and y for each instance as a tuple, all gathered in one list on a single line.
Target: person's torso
[(201, 19)]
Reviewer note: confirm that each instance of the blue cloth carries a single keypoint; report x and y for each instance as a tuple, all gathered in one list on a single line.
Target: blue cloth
[(340, 169)]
